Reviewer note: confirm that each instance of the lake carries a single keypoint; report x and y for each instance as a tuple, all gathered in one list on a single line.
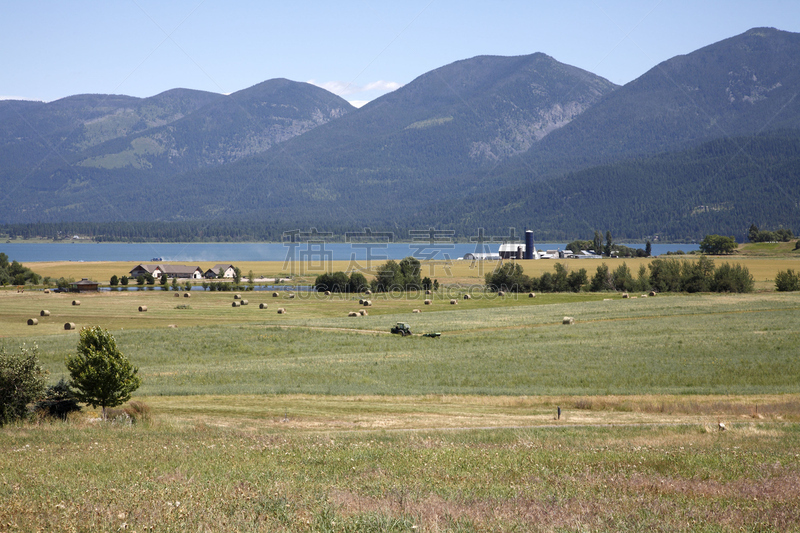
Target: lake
[(230, 252)]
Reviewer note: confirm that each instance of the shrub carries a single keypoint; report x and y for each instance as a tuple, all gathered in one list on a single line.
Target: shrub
[(22, 382), (59, 401), (786, 281), (735, 278)]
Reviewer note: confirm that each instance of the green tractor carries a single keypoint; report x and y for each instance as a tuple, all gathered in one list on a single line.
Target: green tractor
[(401, 328)]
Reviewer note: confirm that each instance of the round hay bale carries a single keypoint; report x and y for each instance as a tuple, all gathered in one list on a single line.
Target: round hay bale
[(76, 302), (625, 295), (142, 308), (275, 295), (453, 302), (47, 291), (262, 306), (245, 302), (501, 293), (237, 296), (236, 304), (428, 291), (177, 295), (33, 321), (416, 311), (187, 294), (367, 303), (281, 311), (361, 301), (69, 325), (568, 320), (652, 293), (327, 293), (353, 313), (173, 326), (44, 312), (291, 296), (531, 295), (427, 302), (368, 292), (468, 297), (363, 312)]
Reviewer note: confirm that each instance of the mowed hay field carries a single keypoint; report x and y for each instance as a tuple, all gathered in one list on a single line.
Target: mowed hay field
[(314, 421)]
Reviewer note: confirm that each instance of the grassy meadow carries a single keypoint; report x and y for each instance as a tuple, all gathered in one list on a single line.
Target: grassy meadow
[(315, 421)]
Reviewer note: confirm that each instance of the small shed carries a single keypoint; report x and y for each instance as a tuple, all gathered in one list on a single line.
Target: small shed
[(83, 285)]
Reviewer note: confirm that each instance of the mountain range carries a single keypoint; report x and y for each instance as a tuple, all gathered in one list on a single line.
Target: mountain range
[(702, 143)]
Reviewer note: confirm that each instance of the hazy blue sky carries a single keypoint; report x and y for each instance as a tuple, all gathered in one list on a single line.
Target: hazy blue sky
[(360, 50)]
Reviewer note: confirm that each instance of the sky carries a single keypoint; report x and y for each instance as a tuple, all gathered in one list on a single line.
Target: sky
[(359, 50)]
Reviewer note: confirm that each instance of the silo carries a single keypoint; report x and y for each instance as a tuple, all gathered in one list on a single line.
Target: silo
[(528, 244)]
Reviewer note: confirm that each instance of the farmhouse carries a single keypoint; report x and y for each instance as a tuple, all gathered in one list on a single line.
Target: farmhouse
[(171, 271), (83, 285), (141, 270), (227, 271)]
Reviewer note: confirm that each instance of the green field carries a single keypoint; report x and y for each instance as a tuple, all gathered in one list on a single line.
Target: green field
[(314, 421)]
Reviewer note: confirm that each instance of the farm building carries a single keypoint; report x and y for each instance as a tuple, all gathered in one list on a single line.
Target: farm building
[(171, 271), (227, 271), (83, 285), (141, 270), (476, 256)]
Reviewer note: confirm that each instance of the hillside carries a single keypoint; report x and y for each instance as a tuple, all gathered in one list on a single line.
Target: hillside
[(484, 142), (721, 186)]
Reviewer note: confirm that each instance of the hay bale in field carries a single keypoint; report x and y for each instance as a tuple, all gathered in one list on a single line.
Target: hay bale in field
[(453, 301), (468, 297), (172, 326), (652, 293), (353, 313), (262, 306), (327, 293), (237, 296), (142, 308), (367, 303), (177, 295), (361, 301), (644, 296), (281, 311), (76, 302), (33, 321), (568, 320), (501, 293), (275, 295), (363, 312), (291, 296), (47, 291), (428, 291), (427, 302), (416, 311), (187, 294), (531, 295), (245, 302), (368, 292), (236, 304), (607, 299), (69, 325), (625, 295), (44, 312)]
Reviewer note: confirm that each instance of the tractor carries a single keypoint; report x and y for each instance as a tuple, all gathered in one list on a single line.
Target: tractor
[(401, 328)]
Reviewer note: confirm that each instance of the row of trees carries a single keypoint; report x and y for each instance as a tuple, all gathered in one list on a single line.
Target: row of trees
[(404, 275), (780, 235), (661, 275), (15, 273), (609, 248), (100, 376)]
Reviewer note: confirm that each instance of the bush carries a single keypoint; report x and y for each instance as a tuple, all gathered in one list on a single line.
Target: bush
[(59, 401), (787, 281), (735, 278), (22, 382)]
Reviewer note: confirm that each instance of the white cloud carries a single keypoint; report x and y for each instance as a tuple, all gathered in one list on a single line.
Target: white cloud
[(365, 93)]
